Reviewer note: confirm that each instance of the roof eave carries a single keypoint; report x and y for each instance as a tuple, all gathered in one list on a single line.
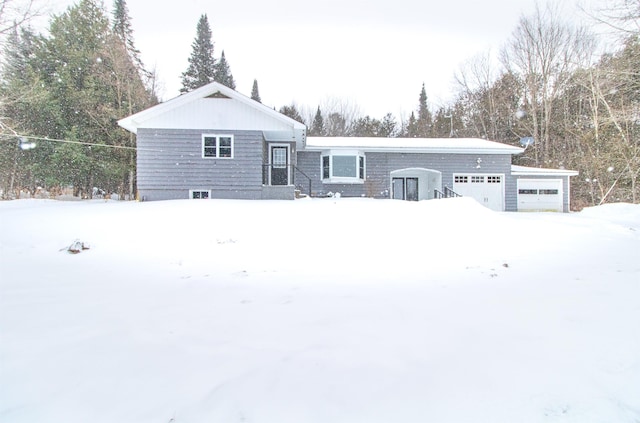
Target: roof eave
[(536, 171), (422, 150), (133, 122)]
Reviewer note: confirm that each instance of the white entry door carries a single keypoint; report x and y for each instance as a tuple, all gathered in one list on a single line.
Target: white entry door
[(487, 189)]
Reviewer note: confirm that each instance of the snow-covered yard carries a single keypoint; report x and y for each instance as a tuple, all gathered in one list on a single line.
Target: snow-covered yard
[(318, 310)]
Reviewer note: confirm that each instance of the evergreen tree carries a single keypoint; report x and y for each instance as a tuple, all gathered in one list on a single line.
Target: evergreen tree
[(424, 122), (388, 126), (255, 95), (75, 84), (317, 128), (122, 28), (17, 91), (412, 126), (292, 112), (202, 65), (223, 73)]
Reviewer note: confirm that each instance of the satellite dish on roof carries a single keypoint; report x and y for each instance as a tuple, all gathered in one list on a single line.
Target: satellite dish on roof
[(526, 141)]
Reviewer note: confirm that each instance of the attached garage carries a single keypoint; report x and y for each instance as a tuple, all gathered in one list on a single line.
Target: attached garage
[(539, 189), (540, 195), (487, 189)]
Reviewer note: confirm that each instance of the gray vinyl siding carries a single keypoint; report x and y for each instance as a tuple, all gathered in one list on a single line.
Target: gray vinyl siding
[(309, 162), (170, 163), (378, 168)]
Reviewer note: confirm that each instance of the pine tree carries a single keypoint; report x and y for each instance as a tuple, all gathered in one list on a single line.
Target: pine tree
[(412, 126), (424, 121), (122, 29), (292, 112), (255, 94), (223, 73), (317, 128), (74, 85), (202, 65)]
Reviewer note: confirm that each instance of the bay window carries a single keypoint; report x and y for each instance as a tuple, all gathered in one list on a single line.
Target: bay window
[(343, 167)]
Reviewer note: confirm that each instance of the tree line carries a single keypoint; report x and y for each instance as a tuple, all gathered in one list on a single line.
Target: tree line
[(551, 83)]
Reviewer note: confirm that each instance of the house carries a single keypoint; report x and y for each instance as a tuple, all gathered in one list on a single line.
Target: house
[(214, 142)]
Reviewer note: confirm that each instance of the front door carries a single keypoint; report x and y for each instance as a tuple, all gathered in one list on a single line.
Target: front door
[(412, 189), (405, 189), (279, 165), (398, 188)]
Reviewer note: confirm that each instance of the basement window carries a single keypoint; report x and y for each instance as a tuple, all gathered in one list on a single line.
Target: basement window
[(199, 194), (217, 146)]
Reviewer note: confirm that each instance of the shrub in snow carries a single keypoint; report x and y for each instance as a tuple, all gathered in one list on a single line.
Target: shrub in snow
[(77, 247)]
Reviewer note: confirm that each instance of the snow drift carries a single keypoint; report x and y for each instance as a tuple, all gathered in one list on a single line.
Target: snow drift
[(318, 310)]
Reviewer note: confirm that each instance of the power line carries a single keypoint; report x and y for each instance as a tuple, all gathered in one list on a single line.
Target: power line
[(29, 146)]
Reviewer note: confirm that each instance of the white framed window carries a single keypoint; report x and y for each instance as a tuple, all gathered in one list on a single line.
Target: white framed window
[(199, 194), (343, 167), (217, 146)]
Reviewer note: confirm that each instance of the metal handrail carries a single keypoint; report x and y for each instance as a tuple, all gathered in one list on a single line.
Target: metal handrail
[(266, 168), (448, 193), (303, 174)]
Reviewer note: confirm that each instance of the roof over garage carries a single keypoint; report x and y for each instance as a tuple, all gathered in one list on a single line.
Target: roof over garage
[(538, 171)]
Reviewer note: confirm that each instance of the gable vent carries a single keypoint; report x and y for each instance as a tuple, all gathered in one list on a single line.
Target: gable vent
[(217, 94)]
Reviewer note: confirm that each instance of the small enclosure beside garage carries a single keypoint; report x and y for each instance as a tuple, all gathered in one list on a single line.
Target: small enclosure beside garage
[(415, 184)]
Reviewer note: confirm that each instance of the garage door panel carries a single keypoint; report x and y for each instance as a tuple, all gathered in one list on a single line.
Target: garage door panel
[(487, 189), (540, 195)]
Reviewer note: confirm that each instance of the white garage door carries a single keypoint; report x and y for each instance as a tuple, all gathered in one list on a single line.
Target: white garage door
[(540, 195), (488, 190)]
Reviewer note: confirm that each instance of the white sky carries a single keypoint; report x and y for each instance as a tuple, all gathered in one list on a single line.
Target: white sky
[(374, 53)]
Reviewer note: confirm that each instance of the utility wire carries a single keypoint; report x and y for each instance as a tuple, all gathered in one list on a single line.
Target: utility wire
[(77, 142)]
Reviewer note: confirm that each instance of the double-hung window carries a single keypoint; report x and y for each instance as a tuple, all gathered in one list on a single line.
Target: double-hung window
[(343, 167), (217, 146)]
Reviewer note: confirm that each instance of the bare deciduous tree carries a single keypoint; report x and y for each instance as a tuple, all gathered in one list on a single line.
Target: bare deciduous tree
[(543, 52)]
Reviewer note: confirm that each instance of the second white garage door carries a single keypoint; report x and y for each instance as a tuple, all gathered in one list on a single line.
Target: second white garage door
[(540, 195), (488, 190)]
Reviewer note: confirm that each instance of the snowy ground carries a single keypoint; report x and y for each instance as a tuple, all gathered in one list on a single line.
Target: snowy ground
[(333, 310)]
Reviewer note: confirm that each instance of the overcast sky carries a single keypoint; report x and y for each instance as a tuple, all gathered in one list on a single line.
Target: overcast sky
[(374, 53)]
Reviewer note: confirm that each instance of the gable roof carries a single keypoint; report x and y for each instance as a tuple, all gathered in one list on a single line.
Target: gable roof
[(413, 145), (211, 90)]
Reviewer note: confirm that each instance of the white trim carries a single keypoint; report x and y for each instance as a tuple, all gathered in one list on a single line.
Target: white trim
[(411, 145), (133, 122), (217, 137), (536, 171), (357, 154)]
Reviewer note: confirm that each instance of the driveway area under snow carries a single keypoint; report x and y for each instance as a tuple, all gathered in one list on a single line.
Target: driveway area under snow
[(317, 310)]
